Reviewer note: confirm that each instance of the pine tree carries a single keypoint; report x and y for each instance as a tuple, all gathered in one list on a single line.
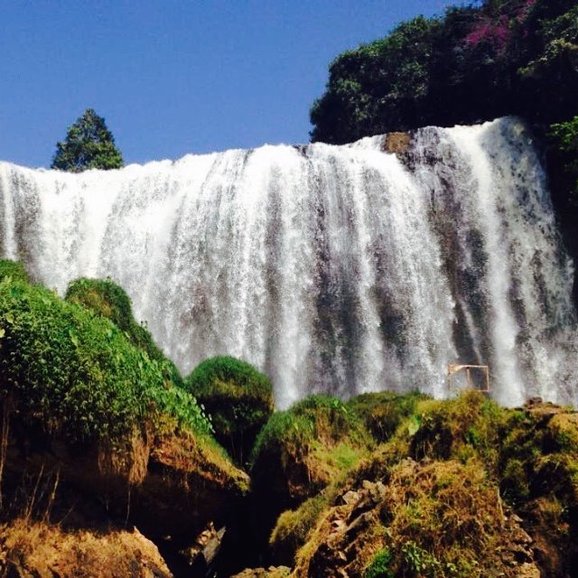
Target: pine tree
[(88, 145)]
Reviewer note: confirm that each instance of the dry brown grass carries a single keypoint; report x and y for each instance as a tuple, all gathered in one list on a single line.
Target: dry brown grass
[(41, 549)]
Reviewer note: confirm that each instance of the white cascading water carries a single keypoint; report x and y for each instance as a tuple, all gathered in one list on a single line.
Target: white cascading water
[(337, 269)]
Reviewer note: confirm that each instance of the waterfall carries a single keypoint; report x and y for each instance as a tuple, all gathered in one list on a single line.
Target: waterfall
[(341, 269)]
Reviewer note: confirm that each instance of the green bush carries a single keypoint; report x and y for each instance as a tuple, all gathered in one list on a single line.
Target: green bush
[(379, 567), (383, 412), (13, 270), (111, 301), (303, 449), (76, 374), (468, 426), (314, 422), (237, 397)]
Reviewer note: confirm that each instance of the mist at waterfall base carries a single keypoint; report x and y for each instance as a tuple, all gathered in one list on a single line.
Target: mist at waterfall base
[(333, 269)]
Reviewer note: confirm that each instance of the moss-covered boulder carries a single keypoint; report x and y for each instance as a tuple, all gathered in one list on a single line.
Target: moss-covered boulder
[(383, 412), (303, 449), (81, 404), (298, 453), (238, 399), (462, 487)]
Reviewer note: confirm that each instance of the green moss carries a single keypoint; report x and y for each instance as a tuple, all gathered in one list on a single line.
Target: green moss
[(317, 422), (383, 412), (469, 426), (77, 374), (298, 453), (237, 397), (107, 299), (294, 527)]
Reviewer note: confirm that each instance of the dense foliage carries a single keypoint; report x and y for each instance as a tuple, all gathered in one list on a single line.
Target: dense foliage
[(77, 375), (474, 63), (313, 426), (237, 397), (88, 145), (13, 270), (111, 301), (564, 136)]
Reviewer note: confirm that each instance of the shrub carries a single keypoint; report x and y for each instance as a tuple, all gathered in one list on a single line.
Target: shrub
[(379, 567), (298, 453), (76, 374), (13, 270), (237, 397), (111, 301), (468, 426), (315, 423), (383, 412)]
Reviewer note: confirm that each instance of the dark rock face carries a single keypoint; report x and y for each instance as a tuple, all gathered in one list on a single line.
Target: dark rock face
[(172, 487), (270, 572)]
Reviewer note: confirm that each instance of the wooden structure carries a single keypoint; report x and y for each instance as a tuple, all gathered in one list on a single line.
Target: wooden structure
[(484, 370)]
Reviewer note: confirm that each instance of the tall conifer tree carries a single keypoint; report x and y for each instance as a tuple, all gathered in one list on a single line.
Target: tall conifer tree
[(88, 145)]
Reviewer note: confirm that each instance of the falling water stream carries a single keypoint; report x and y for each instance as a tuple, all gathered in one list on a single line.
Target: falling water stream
[(342, 269)]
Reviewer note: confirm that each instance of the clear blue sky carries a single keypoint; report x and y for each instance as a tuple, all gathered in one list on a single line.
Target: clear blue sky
[(173, 77)]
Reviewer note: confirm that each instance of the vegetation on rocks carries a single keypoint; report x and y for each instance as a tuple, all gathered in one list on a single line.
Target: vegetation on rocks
[(462, 487), (238, 399), (13, 270), (383, 412), (307, 446), (77, 374), (107, 299), (89, 418), (381, 485)]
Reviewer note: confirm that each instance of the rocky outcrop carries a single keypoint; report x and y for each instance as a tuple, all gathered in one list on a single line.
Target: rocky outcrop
[(432, 517), (172, 487), (397, 142)]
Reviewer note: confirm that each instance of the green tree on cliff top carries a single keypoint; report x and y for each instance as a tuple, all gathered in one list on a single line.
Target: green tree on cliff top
[(88, 145)]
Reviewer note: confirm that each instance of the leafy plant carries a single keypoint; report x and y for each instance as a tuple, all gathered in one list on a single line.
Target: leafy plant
[(380, 565), (13, 270), (77, 375), (111, 301)]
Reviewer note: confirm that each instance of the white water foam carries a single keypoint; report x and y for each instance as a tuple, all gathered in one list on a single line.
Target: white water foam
[(336, 269)]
